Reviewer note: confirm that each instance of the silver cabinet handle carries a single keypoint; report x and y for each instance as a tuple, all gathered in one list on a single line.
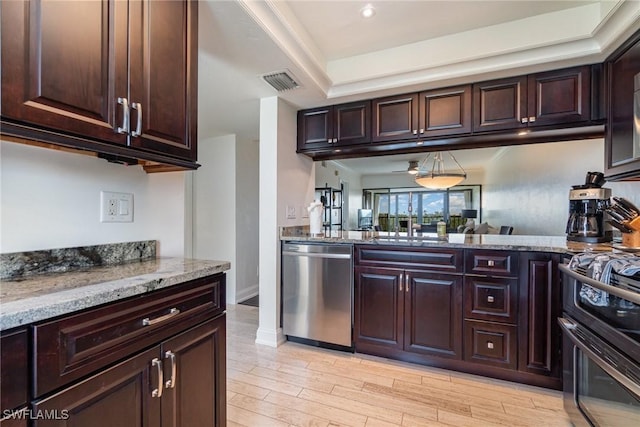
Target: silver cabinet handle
[(157, 392), (490, 345), (532, 119), (415, 131), (150, 322), (138, 107), (401, 280), (491, 263), (490, 298), (125, 116), (524, 120), (406, 283), (171, 382)]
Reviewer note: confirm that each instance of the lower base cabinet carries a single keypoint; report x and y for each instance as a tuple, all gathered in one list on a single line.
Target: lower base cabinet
[(494, 317), (174, 384)]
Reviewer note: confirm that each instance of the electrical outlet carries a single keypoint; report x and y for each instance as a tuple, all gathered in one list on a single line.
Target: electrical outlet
[(116, 207), (291, 212)]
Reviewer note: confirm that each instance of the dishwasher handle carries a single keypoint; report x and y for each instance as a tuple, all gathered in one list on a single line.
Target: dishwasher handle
[(317, 255)]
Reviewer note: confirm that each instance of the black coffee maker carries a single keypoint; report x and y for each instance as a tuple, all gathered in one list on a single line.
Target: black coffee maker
[(587, 205)]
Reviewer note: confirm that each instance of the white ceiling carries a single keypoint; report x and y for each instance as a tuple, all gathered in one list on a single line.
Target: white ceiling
[(337, 56)]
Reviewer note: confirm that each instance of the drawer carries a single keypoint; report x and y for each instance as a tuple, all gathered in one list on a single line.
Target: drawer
[(79, 344), (491, 263), (491, 344), (490, 298), (449, 260), (14, 368)]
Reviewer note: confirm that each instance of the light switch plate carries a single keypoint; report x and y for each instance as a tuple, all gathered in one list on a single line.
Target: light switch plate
[(116, 207)]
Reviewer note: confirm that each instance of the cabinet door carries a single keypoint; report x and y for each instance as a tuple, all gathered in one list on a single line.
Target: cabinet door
[(433, 314), (195, 377), (14, 369), (500, 104), (561, 96), (119, 396), (395, 118), (163, 76), (64, 65), (379, 299), (540, 306), (445, 111), (622, 144), (315, 128), (352, 123)]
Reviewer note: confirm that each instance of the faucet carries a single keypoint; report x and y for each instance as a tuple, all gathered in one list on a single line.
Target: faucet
[(410, 221)]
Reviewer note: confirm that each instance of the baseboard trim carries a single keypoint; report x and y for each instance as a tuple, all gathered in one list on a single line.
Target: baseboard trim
[(247, 293), (270, 337)]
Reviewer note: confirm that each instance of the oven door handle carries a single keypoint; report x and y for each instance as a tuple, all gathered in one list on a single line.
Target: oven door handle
[(568, 328), (613, 290)]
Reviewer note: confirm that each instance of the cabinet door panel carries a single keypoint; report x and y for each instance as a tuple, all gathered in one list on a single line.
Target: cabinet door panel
[(353, 123), (378, 308), (562, 96), (493, 344), (540, 337), (494, 299), (395, 118), (14, 369), (446, 111), (315, 128), (119, 396), (500, 104), (433, 314), (164, 76), (64, 64), (198, 397)]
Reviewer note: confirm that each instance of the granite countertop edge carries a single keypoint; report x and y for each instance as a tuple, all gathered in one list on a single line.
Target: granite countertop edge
[(523, 243), (31, 309)]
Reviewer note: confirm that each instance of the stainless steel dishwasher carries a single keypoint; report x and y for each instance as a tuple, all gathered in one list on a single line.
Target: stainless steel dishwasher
[(317, 293)]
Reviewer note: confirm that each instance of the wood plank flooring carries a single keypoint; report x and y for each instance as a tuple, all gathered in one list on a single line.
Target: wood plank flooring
[(298, 385)]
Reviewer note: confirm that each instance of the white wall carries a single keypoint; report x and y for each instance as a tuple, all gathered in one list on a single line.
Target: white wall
[(51, 199), (214, 205), (286, 179), (528, 186), (247, 218)]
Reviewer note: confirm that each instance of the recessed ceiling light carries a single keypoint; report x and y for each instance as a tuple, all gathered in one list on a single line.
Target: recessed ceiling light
[(368, 11)]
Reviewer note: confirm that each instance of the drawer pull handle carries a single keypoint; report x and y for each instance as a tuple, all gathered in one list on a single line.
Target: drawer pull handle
[(401, 280), (491, 263), (125, 116), (157, 392), (138, 131), (490, 345), (490, 298), (171, 382), (150, 322)]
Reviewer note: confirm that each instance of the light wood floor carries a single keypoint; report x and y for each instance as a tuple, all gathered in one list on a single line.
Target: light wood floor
[(298, 385)]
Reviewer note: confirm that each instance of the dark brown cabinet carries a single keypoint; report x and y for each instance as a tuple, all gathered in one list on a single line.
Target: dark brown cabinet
[(540, 304), (104, 72), (490, 312), (422, 115), (177, 383), (334, 126), (156, 360), (406, 302), (14, 375), (551, 98), (622, 143)]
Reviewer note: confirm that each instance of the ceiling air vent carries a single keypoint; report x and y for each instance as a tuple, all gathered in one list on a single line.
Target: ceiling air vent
[(281, 80)]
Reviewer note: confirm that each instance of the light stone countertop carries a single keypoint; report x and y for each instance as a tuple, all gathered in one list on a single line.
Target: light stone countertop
[(34, 298), (554, 244)]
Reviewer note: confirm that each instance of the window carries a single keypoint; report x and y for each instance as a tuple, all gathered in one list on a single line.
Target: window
[(391, 206)]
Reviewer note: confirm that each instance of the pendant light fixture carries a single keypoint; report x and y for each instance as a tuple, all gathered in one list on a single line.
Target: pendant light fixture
[(438, 177)]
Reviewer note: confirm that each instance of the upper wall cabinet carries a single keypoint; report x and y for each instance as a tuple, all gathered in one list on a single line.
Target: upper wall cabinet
[(115, 72), (622, 144), (544, 99), (330, 127), (422, 115)]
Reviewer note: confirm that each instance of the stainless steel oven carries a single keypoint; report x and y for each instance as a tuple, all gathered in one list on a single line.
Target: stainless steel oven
[(601, 349)]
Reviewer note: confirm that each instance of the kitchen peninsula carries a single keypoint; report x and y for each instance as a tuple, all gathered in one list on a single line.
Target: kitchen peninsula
[(483, 304), (135, 333)]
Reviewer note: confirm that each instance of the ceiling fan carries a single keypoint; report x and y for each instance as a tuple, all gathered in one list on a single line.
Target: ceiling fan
[(412, 169)]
